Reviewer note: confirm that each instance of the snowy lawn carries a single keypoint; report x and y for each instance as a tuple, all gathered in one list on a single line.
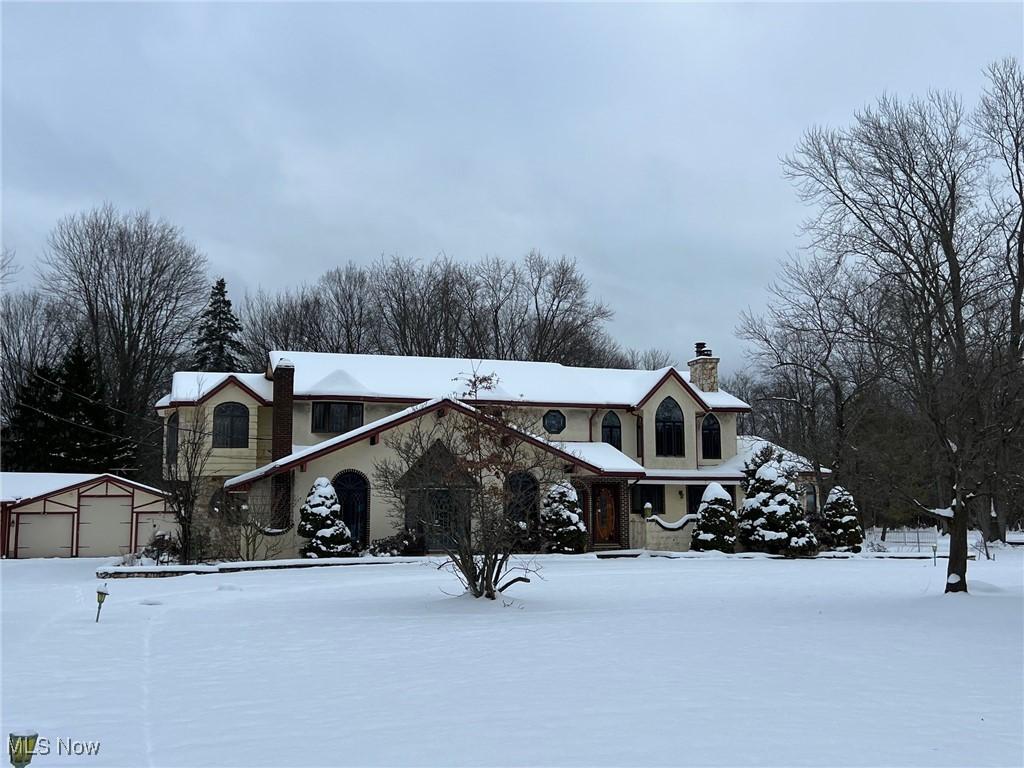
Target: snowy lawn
[(616, 662)]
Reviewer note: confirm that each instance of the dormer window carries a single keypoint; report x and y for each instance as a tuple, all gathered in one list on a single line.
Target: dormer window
[(711, 437), (336, 418), (611, 430), (668, 429)]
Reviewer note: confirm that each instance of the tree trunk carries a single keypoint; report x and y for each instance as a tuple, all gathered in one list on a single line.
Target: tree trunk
[(956, 573)]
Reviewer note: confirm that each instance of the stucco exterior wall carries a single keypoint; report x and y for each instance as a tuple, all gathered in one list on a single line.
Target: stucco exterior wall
[(671, 388), (224, 461)]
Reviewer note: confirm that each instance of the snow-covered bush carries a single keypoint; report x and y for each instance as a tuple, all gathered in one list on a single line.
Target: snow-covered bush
[(716, 521), (836, 525), (320, 521), (405, 543), (761, 457), (561, 521), (772, 520)]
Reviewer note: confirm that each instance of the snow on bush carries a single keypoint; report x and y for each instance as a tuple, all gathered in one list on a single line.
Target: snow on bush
[(320, 521), (561, 520), (837, 525), (771, 520), (716, 522)]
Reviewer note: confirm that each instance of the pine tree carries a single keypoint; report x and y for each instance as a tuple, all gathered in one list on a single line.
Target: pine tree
[(320, 521), (217, 345), (30, 437), (716, 522), (86, 437), (771, 520), (561, 523), (837, 525), (762, 456)]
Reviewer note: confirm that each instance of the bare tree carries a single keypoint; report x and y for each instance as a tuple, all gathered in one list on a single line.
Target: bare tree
[(35, 334), (897, 195), (244, 526), (650, 359), (136, 286), (468, 482), (187, 454), (8, 267)]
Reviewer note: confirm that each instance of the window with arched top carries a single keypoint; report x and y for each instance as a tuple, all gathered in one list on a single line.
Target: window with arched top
[(353, 490), (611, 430), (230, 426), (522, 498), (668, 429), (172, 439), (711, 437)]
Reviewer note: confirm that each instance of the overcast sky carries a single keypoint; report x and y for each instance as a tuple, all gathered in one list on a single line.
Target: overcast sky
[(644, 141)]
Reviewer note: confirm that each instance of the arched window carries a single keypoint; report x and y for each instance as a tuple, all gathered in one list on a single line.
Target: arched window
[(668, 429), (522, 498), (354, 497), (230, 426), (611, 430), (172, 439), (711, 437)]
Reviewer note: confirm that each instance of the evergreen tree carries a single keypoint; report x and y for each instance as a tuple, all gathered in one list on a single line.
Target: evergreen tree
[(84, 437), (761, 457), (561, 523), (320, 521), (716, 522), (771, 520), (30, 437), (217, 345), (837, 525)]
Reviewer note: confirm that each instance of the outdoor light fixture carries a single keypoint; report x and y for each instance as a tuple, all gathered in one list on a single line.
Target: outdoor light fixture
[(648, 509), (21, 746), (101, 595), (935, 550)]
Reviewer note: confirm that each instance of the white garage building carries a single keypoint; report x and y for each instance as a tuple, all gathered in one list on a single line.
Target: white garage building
[(45, 514)]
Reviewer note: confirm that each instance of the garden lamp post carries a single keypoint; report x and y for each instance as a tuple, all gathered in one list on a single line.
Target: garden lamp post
[(21, 746), (935, 551), (101, 595)]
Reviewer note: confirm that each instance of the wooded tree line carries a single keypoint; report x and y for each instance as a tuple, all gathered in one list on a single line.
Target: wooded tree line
[(892, 350), (130, 294)]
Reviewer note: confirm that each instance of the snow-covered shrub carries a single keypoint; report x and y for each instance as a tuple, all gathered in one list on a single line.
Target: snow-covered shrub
[(405, 543), (561, 520), (716, 521), (761, 457), (162, 548), (836, 525), (320, 521), (772, 520)]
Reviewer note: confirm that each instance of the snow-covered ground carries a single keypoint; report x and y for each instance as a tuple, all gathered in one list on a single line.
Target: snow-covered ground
[(652, 661)]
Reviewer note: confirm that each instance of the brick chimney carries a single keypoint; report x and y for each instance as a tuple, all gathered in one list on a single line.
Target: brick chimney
[(281, 440), (704, 368), (284, 390)]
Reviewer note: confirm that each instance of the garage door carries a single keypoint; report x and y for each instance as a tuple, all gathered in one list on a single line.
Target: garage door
[(45, 535), (104, 526)]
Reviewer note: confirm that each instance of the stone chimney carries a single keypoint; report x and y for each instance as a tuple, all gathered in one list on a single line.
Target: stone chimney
[(281, 441), (704, 368)]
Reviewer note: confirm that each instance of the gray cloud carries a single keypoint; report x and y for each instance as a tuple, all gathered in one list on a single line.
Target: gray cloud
[(642, 140)]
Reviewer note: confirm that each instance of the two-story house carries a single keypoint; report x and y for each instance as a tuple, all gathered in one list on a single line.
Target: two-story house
[(628, 438)]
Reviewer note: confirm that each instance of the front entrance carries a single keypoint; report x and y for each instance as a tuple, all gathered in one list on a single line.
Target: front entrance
[(605, 514), (354, 497)]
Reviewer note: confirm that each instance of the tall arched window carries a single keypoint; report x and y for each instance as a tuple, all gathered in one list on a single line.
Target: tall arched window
[(354, 497), (668, 429), (230, 426), (711, 437), (172, 439), (611, 430)]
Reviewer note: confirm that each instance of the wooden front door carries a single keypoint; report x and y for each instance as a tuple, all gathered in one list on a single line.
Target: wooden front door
[(606, 514)]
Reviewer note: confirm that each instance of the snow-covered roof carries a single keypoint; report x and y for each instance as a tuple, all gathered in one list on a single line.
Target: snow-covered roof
[(326, 445), (595, 456), (17, 486), (191, 386), (413, 378), (603, 456), (732, 469)]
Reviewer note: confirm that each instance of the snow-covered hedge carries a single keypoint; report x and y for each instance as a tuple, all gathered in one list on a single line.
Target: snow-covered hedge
[(321, 523), (772, 520), (561, 520), (837, 526), (716, 521)]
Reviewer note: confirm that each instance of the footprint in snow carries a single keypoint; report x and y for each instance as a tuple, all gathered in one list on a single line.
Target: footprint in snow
[(151, 602), (228, 588)]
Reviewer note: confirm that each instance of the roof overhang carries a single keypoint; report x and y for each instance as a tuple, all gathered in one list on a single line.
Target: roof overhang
[(100, 478)]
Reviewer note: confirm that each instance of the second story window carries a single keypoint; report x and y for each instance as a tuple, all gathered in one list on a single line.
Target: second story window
[(711, 437), (611, 430), (668, 429), (230, 426), (336, 417), (554, 422)]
